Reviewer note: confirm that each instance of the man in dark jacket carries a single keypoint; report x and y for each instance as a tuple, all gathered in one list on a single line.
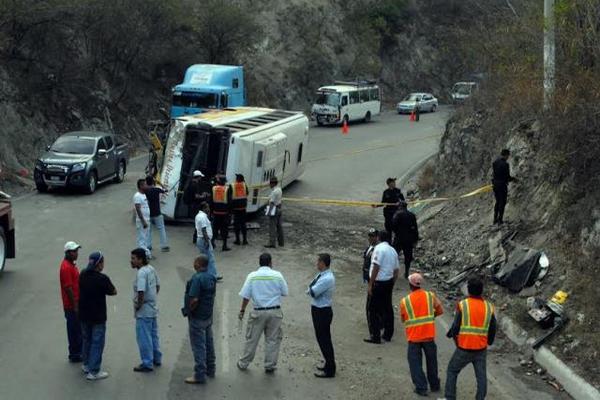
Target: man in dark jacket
[(197, 192), (500, 179), (392, 197), (406, 234)]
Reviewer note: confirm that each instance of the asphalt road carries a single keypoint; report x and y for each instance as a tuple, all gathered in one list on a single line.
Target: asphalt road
[(33, 362)]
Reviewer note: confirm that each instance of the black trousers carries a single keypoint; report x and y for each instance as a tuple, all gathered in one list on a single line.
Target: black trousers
[(322, 317), (380, 311), (221, 226), (501, 194), (239, 224), (388, 223), (407, 253)]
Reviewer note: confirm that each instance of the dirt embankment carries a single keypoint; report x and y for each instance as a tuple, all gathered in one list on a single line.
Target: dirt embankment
[(544, 212)]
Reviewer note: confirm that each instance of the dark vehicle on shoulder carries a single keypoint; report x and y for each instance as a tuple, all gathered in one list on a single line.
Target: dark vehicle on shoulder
[(7, 230), (82, 160)]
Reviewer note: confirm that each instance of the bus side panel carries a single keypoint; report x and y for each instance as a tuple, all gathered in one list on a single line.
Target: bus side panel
[(254, 180), (171, 170)]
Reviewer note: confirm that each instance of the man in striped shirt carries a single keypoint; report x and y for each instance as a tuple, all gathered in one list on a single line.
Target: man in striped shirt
[(264, 287)]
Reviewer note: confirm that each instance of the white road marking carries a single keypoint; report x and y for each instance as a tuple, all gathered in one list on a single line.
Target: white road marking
[(225, 332)]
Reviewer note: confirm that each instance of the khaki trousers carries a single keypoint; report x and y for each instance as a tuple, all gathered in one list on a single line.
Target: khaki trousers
[(269, 323)]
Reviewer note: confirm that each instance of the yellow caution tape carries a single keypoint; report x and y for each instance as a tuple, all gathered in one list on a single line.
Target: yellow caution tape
[(357, 203)]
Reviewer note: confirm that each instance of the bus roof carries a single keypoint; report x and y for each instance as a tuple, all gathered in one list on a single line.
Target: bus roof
[(346, 88), (240, 119)]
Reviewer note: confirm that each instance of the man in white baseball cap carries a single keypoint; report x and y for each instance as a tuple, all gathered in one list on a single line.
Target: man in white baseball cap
[(198, 174), (69, 289)]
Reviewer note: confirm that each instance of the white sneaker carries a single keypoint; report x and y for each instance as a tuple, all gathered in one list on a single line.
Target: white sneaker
[(85, 369), (96, 377)]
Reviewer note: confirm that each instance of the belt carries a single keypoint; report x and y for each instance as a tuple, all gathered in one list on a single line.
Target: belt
[(266, 308)]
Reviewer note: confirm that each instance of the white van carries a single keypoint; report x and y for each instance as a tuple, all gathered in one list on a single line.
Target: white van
[(259, 143), (347, 101)]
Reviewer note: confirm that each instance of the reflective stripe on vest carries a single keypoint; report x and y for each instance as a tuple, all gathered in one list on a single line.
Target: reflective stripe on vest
[(420, 312), (239, 191), (219, 193), (475, 323)]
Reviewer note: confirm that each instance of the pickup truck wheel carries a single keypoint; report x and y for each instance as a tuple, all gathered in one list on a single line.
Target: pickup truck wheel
[(120, 173), (41, 187), (3, 246), (92, 183)]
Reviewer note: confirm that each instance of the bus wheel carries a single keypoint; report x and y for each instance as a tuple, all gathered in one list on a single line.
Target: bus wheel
[(368, 116)]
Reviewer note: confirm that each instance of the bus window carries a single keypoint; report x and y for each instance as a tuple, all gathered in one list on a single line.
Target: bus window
[(300, 153), (364, 95), (344, 101), (259, 159), (354, 97), (235, 83), (374, 94)]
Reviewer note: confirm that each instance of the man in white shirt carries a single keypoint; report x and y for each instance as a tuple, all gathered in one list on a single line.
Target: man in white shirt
[(382, 276), (264, 287), (204, 235), (274, 214), (142, 218)]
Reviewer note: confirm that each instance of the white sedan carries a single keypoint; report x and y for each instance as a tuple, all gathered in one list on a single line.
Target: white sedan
[(424, 101)]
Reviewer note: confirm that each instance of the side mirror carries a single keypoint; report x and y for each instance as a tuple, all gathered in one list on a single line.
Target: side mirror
[(101, 152), (48, 147)]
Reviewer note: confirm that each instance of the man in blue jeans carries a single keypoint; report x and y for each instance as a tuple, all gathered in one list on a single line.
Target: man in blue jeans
[(153, 193), (94, 286), (145, 292), (204, 235), (199, 300)]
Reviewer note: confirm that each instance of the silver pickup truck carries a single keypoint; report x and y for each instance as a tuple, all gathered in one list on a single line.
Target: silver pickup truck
[(82, 160)]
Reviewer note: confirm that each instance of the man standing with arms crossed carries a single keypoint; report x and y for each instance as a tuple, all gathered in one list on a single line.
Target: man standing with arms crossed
[(199, 301), (145, 291), (69, 290), (274, 214), (265, 287), (474, 328), (382, 277), (321, 290), (418, 311)]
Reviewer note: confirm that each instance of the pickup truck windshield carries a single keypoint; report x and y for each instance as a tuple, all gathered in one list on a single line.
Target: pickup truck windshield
[(332, 99), (74, 145), (195, 100)]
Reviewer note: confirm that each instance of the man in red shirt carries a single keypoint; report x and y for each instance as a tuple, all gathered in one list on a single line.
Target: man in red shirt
[(69, 289)]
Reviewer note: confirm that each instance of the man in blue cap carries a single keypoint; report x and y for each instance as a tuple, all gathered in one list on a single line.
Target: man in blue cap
[(94, 286)]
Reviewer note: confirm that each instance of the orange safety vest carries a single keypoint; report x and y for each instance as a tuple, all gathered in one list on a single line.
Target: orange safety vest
[(420, 310), (475, 324), (219, 194), (240, 191)]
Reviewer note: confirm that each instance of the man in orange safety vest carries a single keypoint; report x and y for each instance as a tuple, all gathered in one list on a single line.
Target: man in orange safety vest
[(418, 311), (239, 202)]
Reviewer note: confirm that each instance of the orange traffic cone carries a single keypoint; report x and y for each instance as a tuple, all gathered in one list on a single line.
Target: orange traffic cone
[(412, 117), (345, 128)]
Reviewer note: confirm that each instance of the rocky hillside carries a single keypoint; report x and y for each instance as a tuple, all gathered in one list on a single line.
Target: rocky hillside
[(96, 64)]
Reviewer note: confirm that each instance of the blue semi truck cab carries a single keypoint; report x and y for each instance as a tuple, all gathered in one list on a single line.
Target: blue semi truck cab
[(208, 86)]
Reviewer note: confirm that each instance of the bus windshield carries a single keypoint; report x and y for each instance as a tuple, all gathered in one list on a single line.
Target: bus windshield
[(332, 99), (462, 89), (195, 100)]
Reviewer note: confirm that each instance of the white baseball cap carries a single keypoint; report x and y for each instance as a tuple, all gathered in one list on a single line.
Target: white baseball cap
[(71, 246), (198, 173)]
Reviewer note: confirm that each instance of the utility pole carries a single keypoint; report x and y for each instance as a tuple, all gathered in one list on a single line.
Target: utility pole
[(549, 52)]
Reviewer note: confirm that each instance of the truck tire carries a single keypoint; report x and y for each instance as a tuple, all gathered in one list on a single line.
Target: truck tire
[(41, 187), (120, 172), (3, 249), (92, 183)]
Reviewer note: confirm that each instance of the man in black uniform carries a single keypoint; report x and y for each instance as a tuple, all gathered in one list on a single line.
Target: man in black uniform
[(406, 234), (390, 195), (500, 179), (366, 267), (197, 192), (239, 202)]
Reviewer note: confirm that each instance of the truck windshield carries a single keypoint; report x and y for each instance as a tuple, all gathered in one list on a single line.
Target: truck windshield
[(332, 99), (462, 89), (74, 145), (195, 100)]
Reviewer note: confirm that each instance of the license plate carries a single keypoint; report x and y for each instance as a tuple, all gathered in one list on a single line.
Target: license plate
[(55, 178)]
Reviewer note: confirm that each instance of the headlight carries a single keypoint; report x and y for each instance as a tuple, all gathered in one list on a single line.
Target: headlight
[(78, 167)]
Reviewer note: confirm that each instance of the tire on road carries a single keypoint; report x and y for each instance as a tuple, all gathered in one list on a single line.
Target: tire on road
[(3, 249), (41, 187), (92, 183), (367, 117), (121, 171), (434, 108)]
